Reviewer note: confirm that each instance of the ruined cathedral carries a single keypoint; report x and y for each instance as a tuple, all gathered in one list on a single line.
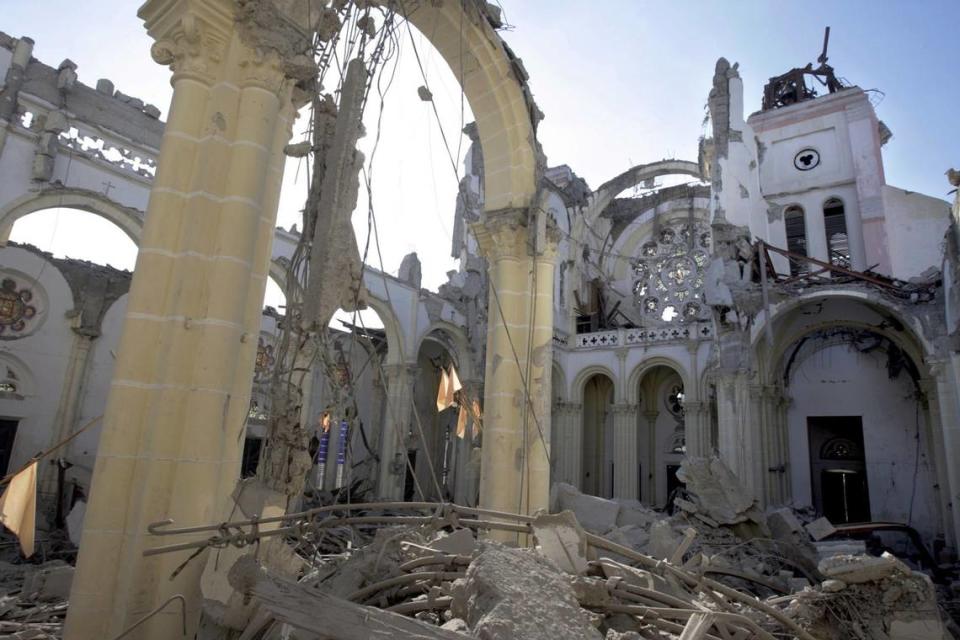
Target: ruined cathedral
[(772, 303)]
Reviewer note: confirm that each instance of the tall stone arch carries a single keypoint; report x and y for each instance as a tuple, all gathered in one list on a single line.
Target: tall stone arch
[(182, 381)]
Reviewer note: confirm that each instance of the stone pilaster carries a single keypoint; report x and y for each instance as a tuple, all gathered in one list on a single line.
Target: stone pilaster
[(515, 473), (650, 470), (566, 452), (947, 375), (739, 436), (176, 413), (626, 477), (397, 424), (696, 427), (68, 409)]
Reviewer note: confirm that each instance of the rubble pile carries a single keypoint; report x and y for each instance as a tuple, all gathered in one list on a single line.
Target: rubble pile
[(716, 568), (34, 599)]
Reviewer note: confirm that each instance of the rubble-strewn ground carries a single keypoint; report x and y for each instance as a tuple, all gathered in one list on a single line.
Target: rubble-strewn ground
[(717, 568)]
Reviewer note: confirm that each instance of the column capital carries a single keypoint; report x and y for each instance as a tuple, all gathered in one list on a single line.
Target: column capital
[(502, 234), (624, 408), (398, 370), (191, 36), (568, 407), (507, 234), (195, 37)]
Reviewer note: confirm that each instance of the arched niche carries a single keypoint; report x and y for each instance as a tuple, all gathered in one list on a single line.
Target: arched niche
[(852, 419), (660, 389), (597, 436)]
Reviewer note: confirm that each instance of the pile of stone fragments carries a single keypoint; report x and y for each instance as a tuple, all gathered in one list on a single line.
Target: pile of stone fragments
[(717, 568)]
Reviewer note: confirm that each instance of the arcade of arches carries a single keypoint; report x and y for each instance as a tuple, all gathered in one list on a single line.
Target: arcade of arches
[(602, 335)]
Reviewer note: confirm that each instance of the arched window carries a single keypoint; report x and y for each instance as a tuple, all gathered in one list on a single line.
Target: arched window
[(835, 224), (796, 226)]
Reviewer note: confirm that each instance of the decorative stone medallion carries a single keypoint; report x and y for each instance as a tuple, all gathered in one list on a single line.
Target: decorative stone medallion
[(15, 308)]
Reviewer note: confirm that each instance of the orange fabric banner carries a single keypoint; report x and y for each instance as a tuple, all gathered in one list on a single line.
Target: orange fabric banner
[(18, 507)]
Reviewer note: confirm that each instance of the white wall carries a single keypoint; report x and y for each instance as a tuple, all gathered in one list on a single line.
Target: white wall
[(916, 225), (838, 381), (45, 352)]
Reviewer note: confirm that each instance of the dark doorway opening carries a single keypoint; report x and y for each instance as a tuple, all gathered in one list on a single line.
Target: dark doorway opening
[(8, 433), (251, 457), (409, 483), (838, 469)]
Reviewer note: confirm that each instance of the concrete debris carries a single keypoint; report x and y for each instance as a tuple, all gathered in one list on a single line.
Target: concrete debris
[(50, 583), (427, 573), (715, 492), (33, 599), (596, 515), (516, 594), (819, 528), (561, 539)]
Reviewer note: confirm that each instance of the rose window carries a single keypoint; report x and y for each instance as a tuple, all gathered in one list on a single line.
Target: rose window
[(668, 274), (15, 308)]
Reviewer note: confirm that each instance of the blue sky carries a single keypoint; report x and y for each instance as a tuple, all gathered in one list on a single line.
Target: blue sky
[(621, 82)]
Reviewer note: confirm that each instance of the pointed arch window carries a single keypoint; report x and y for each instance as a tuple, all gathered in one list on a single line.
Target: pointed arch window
[(796, 226), (835, 224)]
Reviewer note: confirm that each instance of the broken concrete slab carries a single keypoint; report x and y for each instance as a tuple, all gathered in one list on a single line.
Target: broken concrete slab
[(594, 514), (634, 512), (783, 523), (461, 542), (717, 492), (859, 569), (820, 528), (48, 583), (561, 539), (514, 594)]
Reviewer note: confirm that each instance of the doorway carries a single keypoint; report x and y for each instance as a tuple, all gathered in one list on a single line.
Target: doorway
[(838, 469), (8, 433)]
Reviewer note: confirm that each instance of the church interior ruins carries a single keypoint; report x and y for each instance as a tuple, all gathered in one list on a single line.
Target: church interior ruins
[(712, 397)]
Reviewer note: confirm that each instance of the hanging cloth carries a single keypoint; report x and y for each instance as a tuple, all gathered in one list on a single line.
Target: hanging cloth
[(455, 379), (18, 507), (462, 422), (445, 392), (477, 418)]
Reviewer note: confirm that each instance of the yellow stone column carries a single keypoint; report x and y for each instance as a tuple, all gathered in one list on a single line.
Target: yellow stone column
[(515, 472), (176, 413)]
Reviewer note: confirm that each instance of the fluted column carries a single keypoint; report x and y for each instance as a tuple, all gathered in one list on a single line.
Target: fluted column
[(174, 422), (515, 473), (625, 475), (400, 379)]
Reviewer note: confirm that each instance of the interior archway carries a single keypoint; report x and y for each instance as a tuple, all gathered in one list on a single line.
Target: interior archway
[(661, 437), (859, 441), (597, 442), (78, 234)]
